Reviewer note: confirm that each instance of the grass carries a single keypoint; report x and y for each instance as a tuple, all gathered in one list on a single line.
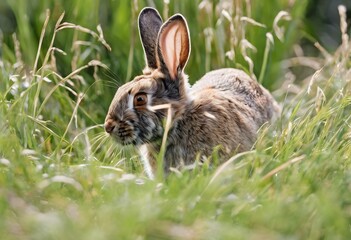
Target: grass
[(62, 178)]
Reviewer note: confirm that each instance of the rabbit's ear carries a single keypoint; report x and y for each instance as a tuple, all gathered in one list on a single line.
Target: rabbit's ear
[(150, 23), (174, 45)]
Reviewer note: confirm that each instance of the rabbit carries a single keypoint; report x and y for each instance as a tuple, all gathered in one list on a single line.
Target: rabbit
[(224, 108)]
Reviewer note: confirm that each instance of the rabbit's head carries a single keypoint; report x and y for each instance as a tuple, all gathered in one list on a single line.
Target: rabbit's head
[(132, 117)]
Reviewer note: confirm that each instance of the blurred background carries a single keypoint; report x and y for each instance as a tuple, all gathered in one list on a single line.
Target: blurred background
[(62, 177), (323, 22), (217, 29)]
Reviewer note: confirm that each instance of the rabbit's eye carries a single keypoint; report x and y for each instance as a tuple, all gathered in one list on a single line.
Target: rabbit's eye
[(140, 99)]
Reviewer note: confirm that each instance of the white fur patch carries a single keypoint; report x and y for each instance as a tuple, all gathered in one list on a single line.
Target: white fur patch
[(144, 159), (130, 101), (190, 166), (149, 102), (210, 115)]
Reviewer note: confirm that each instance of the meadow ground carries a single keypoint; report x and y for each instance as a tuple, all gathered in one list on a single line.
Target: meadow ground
[(61, 177)]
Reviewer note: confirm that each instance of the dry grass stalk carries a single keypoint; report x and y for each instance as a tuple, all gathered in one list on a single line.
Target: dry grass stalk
[(283, 166), (41, 41), (280, 30)]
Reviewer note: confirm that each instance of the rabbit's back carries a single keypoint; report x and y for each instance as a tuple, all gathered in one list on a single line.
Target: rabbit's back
[(236, 86), (224, 79)]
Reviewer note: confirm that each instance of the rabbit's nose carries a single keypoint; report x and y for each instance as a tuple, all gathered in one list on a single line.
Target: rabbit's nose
[(109, 126)]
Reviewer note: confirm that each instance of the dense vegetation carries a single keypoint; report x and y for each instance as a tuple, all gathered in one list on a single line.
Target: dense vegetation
[(62, 178)]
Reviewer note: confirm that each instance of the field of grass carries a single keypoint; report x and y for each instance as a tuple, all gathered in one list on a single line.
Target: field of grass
[(61, 177)]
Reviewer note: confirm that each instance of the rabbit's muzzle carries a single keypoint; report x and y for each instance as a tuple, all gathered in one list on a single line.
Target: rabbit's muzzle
[(110, 126), (122, 132)]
